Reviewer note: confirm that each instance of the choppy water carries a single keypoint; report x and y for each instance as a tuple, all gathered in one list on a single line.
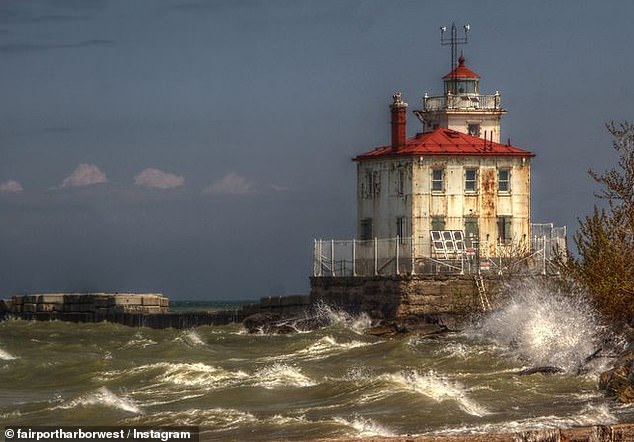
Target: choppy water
[(330, 382)]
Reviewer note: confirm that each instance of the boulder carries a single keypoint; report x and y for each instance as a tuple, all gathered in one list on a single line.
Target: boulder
[(386, 329), (619, 381), (543, 370), (410, 326), (260, 322)]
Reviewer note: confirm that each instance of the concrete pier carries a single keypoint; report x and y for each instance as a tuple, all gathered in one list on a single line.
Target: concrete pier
[(132, 309)]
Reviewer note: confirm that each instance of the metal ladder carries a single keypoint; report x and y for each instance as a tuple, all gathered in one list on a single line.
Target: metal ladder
[(484, 299)]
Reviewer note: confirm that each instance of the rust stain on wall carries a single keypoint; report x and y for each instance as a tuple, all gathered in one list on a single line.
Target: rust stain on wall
[(488, 192)]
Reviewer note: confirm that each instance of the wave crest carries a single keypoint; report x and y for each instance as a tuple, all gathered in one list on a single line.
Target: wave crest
[(438, 388), (103, 397)]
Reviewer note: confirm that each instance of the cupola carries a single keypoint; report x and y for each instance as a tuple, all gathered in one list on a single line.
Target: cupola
[(461, 80)]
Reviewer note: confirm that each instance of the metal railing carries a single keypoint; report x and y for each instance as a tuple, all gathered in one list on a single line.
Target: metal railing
[(469, 101), (406, 255)]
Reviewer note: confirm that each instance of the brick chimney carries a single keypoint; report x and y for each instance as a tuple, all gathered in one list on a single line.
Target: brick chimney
[(398, 110)]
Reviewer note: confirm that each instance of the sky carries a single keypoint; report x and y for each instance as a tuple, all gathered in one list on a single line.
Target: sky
[(197, 148)]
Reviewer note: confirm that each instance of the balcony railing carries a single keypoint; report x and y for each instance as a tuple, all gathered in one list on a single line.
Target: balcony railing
[(446, 253), (462, 102)]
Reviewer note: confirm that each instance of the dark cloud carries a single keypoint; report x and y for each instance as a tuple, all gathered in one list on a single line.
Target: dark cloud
[(210, 6), (22, 48), (58, 18)]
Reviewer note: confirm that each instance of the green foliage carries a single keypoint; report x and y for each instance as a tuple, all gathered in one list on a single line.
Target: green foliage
[(605, 239)]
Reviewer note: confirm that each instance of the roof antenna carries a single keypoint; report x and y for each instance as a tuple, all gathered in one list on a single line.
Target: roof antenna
[(453, 41)]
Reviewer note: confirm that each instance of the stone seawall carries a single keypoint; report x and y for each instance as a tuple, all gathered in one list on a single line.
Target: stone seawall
[(403, 296)]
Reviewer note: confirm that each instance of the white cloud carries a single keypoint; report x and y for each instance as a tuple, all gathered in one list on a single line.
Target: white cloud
[(231, 184), (11, 186), (278, 188), (158, 179), (85, 175)]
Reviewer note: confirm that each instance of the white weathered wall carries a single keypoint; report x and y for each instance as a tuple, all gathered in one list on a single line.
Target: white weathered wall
[(418, 204)]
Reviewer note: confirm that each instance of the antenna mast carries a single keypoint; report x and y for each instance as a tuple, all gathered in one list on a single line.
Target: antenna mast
[(453, 41)]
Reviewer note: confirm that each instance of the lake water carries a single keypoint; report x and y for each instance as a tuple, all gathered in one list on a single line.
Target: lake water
[(330, 382)]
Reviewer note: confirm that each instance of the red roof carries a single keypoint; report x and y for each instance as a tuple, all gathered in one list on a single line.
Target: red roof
[(446, 142), (461, 71)]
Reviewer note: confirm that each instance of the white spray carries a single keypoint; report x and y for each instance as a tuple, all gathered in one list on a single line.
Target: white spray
[(544, 327)]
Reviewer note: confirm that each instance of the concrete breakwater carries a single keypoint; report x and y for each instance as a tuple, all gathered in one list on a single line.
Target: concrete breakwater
[(135, 309), (96, 303)]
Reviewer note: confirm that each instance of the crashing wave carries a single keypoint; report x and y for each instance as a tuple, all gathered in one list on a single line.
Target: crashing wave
[(542, 327)]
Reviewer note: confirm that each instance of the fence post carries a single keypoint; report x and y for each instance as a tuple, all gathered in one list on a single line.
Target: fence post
[(398, 240), (544, 252), (376, 257), (411, 253), (321, 265), (332, 257), (314, 257), (354, 258)]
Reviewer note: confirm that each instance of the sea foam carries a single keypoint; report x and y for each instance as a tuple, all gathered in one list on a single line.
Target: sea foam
[(281, 375), (365, 427), (6, 356), (190, 338), (216, 418)]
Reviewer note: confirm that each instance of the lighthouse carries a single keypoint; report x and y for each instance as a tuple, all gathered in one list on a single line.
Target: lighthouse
[(450, 199)]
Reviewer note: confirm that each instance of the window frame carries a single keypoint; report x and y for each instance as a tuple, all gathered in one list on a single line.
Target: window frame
[(474, 180), (505, 227), (400, 181), (434, 180), (506, 170), (366, 229)]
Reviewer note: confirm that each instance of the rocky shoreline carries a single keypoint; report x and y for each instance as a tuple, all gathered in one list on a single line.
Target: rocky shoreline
[(596, 433)]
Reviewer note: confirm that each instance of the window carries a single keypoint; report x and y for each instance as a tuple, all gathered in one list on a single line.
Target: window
[(400, 182), (401, 228), (504, 180), (437, 223), (365, 189), (437, 176), (365, 229), (473, 129), (471, 230), (376, 183), (504, 229), (471, 180), (371, 184)]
